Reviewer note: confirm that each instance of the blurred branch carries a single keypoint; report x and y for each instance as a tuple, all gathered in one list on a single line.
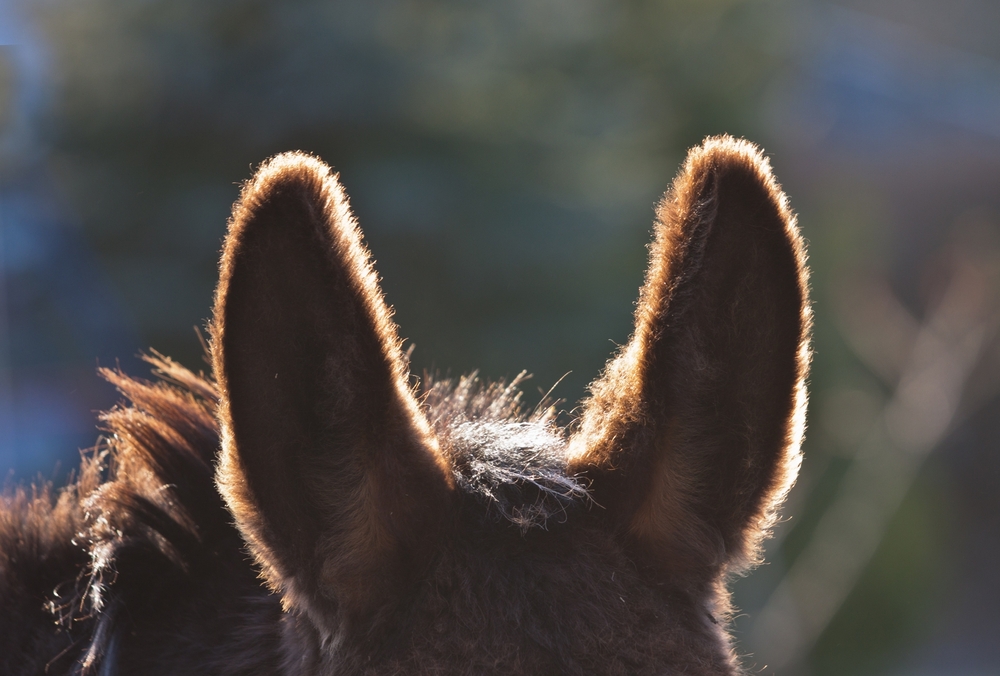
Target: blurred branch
[(928, 368)]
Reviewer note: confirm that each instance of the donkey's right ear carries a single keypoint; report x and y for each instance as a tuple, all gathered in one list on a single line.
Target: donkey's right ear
[(691, 438), (328, 465)]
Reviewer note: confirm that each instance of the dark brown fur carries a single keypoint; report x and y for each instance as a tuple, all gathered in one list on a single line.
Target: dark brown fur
[(439, 533)]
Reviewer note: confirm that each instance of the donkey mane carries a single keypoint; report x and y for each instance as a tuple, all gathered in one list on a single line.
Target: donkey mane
[(143, 508)]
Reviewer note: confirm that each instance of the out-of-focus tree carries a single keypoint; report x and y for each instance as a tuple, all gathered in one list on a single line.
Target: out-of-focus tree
[(503, 158)]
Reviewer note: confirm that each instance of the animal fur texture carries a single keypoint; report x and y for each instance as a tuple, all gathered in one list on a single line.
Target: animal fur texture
[(305, 511)]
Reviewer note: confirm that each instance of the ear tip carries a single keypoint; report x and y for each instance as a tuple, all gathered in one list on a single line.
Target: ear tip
[(285, 183), (735, 161), (725, 154), (288, 173), (291, 169), (290, 192), (740, 159)]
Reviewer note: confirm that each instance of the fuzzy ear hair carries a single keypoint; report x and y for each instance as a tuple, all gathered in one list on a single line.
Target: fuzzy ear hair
[(691, 437), (328, 465)]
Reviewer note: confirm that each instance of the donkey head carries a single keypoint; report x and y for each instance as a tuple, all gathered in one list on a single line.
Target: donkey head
[(404, 536)]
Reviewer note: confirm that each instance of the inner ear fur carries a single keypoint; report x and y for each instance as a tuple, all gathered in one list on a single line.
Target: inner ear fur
[(328, 466), (691, 437)]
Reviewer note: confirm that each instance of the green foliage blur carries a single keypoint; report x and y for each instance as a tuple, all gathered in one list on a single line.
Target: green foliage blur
[(503, 159)]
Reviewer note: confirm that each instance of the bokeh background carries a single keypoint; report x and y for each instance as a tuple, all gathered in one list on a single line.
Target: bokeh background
[(503, 159)]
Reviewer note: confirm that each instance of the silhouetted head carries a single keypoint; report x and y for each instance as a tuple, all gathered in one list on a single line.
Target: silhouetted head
[(449, 534)]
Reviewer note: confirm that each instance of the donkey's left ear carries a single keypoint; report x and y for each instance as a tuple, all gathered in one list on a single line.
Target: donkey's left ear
[(328, 465), (691, 437)]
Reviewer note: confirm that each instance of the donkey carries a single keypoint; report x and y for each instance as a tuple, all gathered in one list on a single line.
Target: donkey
[(308, 511)]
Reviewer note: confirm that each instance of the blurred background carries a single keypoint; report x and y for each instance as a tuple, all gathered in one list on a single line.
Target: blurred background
[(503, 160)]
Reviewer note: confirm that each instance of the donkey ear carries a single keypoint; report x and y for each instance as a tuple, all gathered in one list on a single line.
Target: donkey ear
[(691, 437), (328, 465)]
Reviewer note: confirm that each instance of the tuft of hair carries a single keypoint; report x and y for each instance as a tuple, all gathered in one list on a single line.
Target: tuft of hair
[(141, 527), (513, 463), (158, 508), (40, 561)]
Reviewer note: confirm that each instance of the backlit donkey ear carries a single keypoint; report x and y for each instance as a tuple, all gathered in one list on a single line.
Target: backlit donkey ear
[(328, 465), (691, 437)]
